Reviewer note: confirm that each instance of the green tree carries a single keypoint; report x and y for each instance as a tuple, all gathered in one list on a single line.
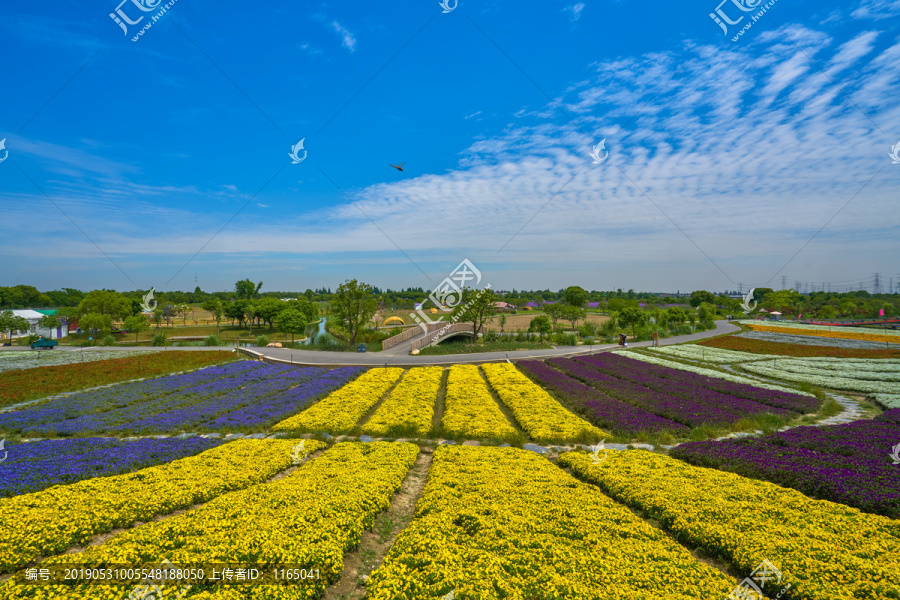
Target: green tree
[(137, 323), (541, 325), (706, 312), (575, 296), (268, 309), (554, 311), (632, 316), (827, 312), (292, 321), (105, 302), (11, 323), (701, 296), (96, 322), (235, 311), (502, 322), (573, 314), (246, 290), (475, 306), (353, 305), (50, 322), (214, 306), (783, 300)]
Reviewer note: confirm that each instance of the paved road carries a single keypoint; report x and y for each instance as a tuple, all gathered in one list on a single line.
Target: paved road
[(399, 355), (394, 357)]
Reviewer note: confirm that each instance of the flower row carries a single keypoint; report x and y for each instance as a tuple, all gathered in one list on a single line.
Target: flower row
[(802, 328), (505, 523), (823, 377), (822, 549), (116, 403), (765, 342), (696, 353), (545, 419), (470, 409), (308, 519), (409, 409), (711, 373), (30, 384), (597, 407), (847, 463), (341, 410), (827, 332), (49, 521), (34, 466), (15, 361)]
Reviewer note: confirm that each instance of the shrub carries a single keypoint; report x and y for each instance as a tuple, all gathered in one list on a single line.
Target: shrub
[(212, 341), (589, 330), (158, 340), (108, 340), (261, 340), (491, 336), (589, 340)]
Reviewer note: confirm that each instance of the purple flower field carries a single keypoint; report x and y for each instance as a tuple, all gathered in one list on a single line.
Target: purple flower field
[(34, 466), (244, 396), (683, 383), (598, 408), (849, 463)]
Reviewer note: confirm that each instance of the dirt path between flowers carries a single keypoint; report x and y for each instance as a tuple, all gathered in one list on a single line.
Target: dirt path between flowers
[(370, 553)]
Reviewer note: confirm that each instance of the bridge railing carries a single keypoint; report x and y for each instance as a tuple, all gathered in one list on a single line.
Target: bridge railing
[(440, 333), (409, 334)]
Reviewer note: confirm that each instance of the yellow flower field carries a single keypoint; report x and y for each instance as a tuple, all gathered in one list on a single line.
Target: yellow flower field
[(823, 549), (49, 521), (545, 419), (307, 519), (845, 335), (411, 403), (506, 523), (341, 410), (470, 409)]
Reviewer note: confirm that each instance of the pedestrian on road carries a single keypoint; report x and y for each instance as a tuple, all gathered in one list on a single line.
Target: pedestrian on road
[(655, 336)]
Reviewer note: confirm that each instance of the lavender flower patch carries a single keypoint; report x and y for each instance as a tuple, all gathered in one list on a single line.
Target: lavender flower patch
[(34, 466), (598, 408), (785, 400), (277, 407), (682, 410), (849, 464), (195, 414), (115, 397), (693, 388), (889, 416)]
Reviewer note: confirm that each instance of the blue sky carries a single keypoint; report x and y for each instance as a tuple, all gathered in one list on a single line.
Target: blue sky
[(171, 153)]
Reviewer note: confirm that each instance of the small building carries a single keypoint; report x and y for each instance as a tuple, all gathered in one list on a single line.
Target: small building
[(504, 306), (33, 317)]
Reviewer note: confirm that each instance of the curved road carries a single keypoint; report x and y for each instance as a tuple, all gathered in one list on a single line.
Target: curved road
[(399, 356)]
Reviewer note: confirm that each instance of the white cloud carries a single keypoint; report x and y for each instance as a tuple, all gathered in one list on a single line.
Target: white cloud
[(348, 40), (574, 11), (876, 9)]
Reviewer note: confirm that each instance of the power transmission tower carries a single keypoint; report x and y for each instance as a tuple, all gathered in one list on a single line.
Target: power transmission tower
[(797, 285), (784, 282), (876, 288)]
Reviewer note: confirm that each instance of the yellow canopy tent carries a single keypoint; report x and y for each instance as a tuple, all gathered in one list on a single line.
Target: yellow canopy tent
[(393, 321)]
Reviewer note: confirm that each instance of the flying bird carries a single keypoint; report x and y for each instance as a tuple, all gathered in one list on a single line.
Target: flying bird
[(398, 166)]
